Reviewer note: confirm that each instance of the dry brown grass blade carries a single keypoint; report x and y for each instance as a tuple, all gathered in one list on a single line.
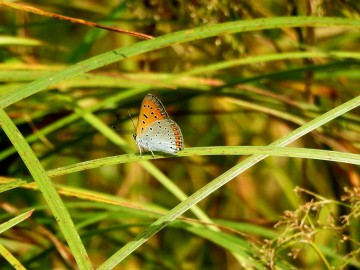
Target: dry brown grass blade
[(73, 20)]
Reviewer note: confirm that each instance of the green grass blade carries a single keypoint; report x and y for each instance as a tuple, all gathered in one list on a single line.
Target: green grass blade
[(222, 180), (268, 58), (12, 222), (11, 258), (168, 40), (48, 191), (325, 155), (123, 95), (152, 169), (5, 226)]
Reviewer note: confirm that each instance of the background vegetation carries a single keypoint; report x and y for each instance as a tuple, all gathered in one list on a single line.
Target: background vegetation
[(248, 82)]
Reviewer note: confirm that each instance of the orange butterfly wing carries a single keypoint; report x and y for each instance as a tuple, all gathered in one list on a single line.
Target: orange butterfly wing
[(151, 110)]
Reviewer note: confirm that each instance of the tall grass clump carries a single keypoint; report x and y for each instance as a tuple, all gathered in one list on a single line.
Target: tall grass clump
[(266, 95)]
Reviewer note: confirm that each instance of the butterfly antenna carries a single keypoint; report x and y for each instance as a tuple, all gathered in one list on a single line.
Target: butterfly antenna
[(132, 121)]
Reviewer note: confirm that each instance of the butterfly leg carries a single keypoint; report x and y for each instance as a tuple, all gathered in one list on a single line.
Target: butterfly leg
[(152, 154)]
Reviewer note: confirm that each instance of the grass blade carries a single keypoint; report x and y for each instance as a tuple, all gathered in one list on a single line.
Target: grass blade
[(222, 180), (48, 191)]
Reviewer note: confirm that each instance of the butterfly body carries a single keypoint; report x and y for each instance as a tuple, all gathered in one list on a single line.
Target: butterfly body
[(155, 130)]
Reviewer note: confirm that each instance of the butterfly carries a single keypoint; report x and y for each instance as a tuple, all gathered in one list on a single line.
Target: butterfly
[(155, 130)]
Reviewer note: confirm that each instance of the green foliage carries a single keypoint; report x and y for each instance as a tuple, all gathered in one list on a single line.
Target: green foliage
[(236, 76)]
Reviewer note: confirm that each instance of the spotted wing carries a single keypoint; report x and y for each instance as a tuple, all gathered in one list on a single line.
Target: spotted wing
[(163, 135), (151, 110)]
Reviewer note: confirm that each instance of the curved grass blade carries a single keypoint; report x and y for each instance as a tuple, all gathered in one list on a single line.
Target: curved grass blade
[(222, 180), (48, 190), (168, 40)]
